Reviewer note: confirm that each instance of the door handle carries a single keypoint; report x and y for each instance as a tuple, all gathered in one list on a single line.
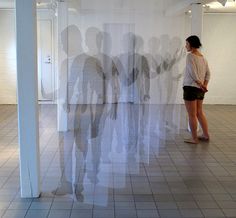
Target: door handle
[(48, 60)]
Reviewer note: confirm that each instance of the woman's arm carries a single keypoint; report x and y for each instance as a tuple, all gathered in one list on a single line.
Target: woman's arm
[(208, 75)]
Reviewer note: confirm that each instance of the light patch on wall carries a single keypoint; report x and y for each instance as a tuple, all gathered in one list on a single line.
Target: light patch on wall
[(11, 57), (217, 5)]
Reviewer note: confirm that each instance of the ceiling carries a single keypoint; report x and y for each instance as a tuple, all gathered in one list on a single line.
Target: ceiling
[(213, 6)]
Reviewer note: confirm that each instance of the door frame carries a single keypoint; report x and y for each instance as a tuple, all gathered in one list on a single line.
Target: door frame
[(49, 14)]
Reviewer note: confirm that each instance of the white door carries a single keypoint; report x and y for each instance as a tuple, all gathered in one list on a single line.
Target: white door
[(45, 65)]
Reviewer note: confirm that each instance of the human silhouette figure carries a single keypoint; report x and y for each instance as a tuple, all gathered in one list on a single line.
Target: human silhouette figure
[(172, 53), (71, 43), (140, 110), (82, 143), (135, 85), (155, 65)]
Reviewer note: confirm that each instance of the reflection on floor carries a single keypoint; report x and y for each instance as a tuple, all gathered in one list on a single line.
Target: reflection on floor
[(124, 161)]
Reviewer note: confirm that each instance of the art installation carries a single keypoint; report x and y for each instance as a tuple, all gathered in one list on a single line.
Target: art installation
[(117, 91)]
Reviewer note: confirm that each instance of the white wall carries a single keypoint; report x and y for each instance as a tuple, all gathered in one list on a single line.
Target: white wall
[(8, 53), (7, 57), (219, 46)]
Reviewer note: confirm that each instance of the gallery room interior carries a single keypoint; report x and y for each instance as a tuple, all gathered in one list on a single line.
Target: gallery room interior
[(92, 116)]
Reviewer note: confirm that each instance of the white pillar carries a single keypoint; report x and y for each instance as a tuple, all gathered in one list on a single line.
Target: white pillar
[(62, 94), (196, 26), (197, 19), (27, 97)]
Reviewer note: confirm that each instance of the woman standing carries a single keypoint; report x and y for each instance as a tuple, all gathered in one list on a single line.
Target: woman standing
[(195, 83)]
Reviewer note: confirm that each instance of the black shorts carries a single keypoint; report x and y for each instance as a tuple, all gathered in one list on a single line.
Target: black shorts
[(192, 93)]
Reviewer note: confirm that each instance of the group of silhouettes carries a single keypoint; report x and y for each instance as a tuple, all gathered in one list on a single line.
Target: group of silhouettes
[(107, 100)]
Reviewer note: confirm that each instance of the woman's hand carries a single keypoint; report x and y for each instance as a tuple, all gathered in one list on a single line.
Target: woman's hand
[(202, 86)]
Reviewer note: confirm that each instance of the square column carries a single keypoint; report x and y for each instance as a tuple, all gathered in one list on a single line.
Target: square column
[(62, 80), (197, 19), (27, 91)]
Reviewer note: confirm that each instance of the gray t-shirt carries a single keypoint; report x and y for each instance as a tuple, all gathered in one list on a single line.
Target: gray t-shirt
[(196, 69)]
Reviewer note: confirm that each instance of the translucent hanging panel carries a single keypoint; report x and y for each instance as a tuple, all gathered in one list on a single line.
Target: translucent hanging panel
[(121, 65)]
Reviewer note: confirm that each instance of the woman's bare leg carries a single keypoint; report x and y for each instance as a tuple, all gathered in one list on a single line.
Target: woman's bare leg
[(191, 107), (202, 119)]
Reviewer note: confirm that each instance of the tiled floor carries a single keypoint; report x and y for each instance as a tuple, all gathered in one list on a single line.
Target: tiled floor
[(127, 168)]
